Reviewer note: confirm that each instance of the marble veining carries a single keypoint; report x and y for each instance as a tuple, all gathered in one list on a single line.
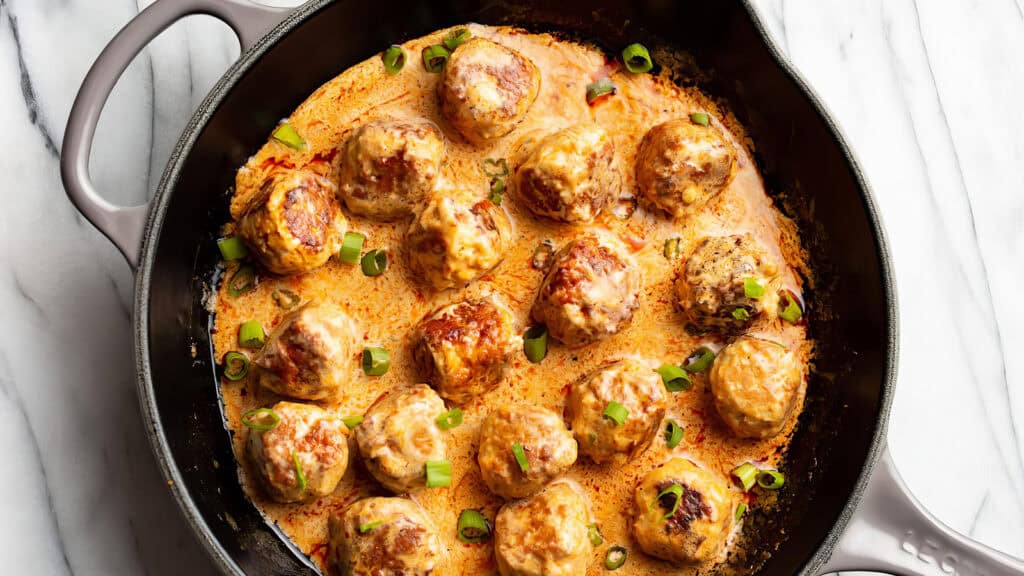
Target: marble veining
[(927, 94)]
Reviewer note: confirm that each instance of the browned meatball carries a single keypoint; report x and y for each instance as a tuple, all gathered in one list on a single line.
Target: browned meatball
[(294, 223), (310, 354), (571, 175), (548, 449), (383, 537), (681, 165), (464, 348), (590, 292), (697, 529), (756, 384), (544, 535), (487, 89), (389, 167), (714, 283)]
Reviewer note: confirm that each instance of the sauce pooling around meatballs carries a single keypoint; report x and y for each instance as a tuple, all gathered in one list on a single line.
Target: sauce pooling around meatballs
[(498, 198)]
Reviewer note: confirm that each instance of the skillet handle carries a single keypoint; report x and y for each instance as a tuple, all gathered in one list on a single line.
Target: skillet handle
[(891, 532), (124, 225)]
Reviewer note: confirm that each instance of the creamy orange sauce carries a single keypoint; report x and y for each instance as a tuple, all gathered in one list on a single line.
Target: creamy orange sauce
[(387, 307)]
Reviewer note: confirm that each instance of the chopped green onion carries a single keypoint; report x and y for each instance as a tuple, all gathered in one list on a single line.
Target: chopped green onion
[(376, 361), (637, 59), (287, 135), (242, 281), (673, 490), (449, 419), (495, 167), (616, 412), (752, 288), (592, 438), (374, 262), (473, 527), (236, 366), (542, 254), (520, 454), (351, 246), (615, 557), (394, 59), (232, 248), (674, 378), (455, 38), (435, 57), (746, 475), (497, 191), (535, 343), (261, 419), (770, 479), (673, 434), (741, 509), (299, 476), (599, 89), (594, 533), (250, 334), (439, 473), (700, 118), (673, 249), (741, 314), (352, 421), (700, 360), (366, 528), (285, 298), (792, 312)]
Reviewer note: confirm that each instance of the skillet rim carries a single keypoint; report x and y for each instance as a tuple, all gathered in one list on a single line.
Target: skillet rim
[(210, 105)]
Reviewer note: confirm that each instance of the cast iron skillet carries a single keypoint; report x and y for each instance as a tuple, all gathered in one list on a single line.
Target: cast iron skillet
[(845, 506)]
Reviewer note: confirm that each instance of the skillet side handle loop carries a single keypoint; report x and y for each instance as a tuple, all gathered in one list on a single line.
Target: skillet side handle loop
[(891, 532), (125, 226)]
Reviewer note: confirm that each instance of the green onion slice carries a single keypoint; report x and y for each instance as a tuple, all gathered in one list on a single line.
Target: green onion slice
[(741, 509), (700, 118), (673, 434), (675, 490), (616, 412), (352, 421), (285, 298), (520, 454), (790, 307), (673, 249), (770, 479), (594, 533), (495, 167), (745, 475), (236, 365), (473, 527), (592, 438), (299, 476), (232, 248), (374, 262), (497, 191), (600, 89), (366, 528), (376, 361), (674, 378), (439, 473), (435, 57), (455, 38), (450, 419), (394, 59), (242, 281), (637, 59), (261, 419), (752, 288), (351, 247), (287, 135), (699, 360), (615, 557), (741, 314), (535, 343), (250, 334)]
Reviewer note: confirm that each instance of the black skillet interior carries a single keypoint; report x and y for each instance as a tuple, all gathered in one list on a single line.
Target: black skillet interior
[(805, 169)]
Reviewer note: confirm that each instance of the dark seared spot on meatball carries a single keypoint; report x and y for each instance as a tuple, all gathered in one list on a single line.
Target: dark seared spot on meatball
[(307, 214), (385, 548), (484, 212), (583, 258), (691, 507), (513, 81)]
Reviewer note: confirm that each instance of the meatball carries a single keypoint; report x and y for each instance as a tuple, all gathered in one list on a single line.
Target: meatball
[(712, 286), (389, 167), (399, 434), (756, 384), (464, 348), (545, 535), (633, 384), (548, 449), (681, 165), (309, 355), (303, 456), (294, 223), (487, 89), (571, 175), (697, 529), (383, 537), (456, 239), (590, 292)]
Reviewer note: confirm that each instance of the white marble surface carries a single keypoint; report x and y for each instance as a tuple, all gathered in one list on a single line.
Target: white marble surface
[(928, 93)]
